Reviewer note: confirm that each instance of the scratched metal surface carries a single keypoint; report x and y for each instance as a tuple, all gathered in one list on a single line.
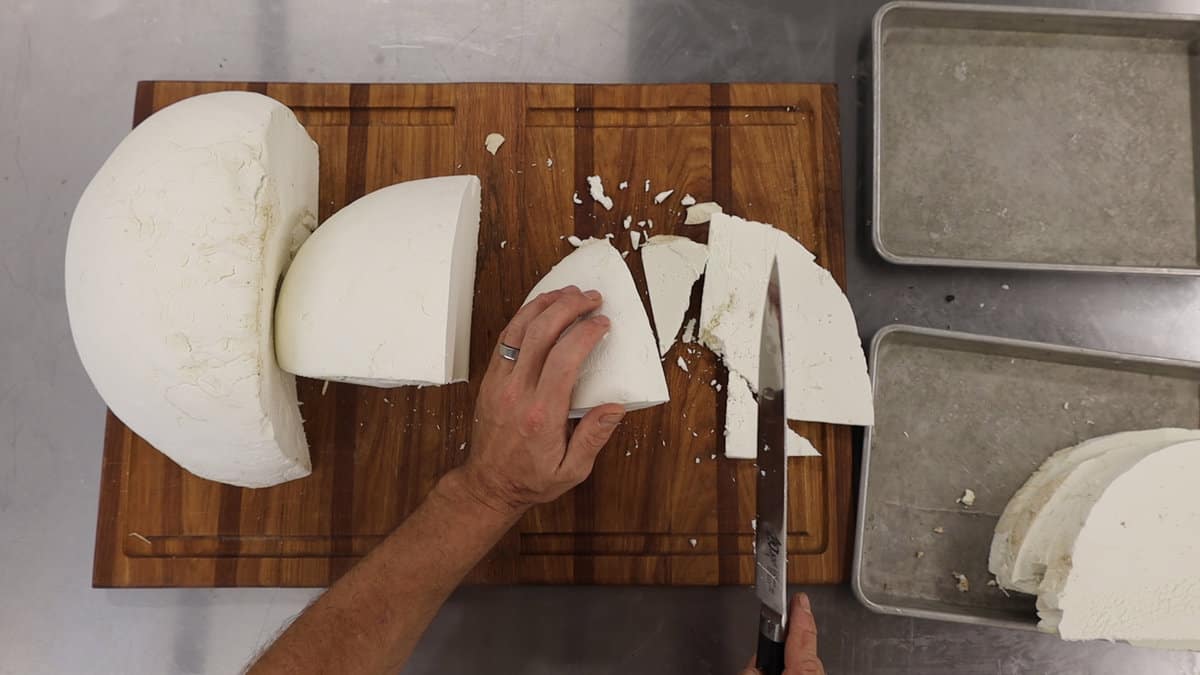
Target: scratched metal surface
[(67, 73)]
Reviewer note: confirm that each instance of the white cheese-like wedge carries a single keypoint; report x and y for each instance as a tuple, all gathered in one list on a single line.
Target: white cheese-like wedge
[(635, 239), (741, 425), (688, 200), (1027, 501), (1037, 512), (826, 369), (662, 196), (826, 373), (596, 189), (172, 261), (1135, 560), (672, 265), (382, 293), (624, 368), (1047, 548)]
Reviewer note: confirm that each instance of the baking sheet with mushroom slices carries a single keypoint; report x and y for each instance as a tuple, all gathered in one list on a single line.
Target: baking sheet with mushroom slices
[(956, 412)]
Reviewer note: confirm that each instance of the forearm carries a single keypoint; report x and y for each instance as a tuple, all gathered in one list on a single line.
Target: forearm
[(371, 619)]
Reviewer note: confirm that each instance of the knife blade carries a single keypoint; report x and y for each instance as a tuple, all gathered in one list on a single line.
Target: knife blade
[(770, 550)]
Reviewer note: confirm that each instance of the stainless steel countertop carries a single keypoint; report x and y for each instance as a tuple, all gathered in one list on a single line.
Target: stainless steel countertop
[(67, 75)]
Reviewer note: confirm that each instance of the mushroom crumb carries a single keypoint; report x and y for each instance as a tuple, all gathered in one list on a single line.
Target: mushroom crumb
[(693, 542), (493, 142), (919, 555), (963, 584), (596, 189), (967, 499), (939, 530)]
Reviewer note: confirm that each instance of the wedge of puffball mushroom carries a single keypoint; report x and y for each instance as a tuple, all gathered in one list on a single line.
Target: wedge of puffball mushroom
[(825, 368), (672, 265), (172, 261), (381, 294), (1134, 560), (624, 367)]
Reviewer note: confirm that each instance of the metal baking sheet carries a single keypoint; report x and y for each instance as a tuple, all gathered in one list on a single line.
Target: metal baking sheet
[(1036, 138), (956, 411)]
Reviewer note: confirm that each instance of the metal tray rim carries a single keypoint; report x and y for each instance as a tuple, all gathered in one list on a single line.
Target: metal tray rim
[(877, 134), (864, 477)]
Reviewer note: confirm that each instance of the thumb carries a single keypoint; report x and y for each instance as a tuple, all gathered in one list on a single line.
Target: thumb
[(592, 432)]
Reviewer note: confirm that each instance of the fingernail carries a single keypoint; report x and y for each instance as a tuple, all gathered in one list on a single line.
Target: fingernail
[(611, 419), (804, 604), (601, 320), (592, 295)]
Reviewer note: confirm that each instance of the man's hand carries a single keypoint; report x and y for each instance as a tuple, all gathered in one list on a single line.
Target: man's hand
[(370, 620), (800, 652), (521, 451)]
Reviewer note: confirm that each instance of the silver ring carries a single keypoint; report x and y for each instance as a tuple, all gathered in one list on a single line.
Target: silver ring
[(509, 353)]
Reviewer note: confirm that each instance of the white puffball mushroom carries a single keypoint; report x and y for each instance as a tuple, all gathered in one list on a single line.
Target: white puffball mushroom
[(172, 261), (624, 367), (382, 293)]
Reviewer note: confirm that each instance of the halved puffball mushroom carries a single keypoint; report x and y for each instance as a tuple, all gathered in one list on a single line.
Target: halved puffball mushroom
[(624, 367), (172, 261), (382, 293)]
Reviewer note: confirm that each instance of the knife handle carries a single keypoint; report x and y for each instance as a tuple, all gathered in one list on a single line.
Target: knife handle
[(770, 656)]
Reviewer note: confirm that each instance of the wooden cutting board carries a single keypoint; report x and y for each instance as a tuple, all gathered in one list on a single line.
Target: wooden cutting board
[(663, 506)]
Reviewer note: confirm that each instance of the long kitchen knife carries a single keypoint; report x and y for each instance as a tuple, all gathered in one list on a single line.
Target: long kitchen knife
[(770, 550)]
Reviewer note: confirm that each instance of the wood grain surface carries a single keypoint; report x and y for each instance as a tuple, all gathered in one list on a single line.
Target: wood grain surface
[(663, 506)]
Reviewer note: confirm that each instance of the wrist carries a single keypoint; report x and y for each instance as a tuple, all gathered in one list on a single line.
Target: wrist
[(468, 491)]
